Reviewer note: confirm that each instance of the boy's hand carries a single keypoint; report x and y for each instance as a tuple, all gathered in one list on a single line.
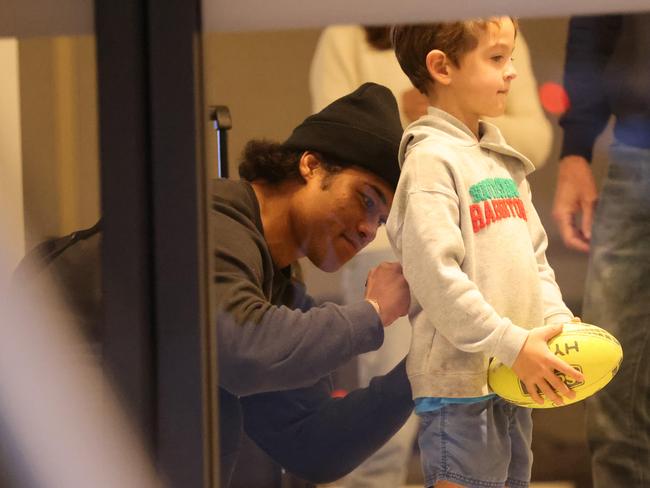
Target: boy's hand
[(536, 365), (387, 287)]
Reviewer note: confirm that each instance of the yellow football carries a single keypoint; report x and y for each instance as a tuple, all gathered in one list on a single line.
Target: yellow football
[(591, 350)]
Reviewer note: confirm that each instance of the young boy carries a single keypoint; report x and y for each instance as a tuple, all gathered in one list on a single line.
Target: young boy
[(472, 249)]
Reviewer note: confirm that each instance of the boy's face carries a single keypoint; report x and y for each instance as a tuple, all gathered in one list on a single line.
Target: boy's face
[(482, 81)]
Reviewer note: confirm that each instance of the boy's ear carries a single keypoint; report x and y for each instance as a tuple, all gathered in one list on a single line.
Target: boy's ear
[(438, 67)]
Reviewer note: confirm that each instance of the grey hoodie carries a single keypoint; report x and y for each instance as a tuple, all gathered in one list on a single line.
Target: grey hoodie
[(270, 334), (473, 251)]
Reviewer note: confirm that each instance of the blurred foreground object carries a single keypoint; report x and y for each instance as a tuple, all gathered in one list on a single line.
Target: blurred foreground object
[(61, 420)]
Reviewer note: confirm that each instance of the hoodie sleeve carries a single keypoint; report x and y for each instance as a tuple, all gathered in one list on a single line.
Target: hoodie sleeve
[(426, 230), (554, 308), (275, 339)]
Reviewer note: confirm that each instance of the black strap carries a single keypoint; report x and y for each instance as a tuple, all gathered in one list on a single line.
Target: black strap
[(63, 243), (44, 253)]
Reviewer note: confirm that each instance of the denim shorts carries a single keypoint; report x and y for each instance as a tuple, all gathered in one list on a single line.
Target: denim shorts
[(477, 445)]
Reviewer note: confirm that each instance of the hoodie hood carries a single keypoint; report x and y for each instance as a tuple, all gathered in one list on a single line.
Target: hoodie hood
[(439, 127)]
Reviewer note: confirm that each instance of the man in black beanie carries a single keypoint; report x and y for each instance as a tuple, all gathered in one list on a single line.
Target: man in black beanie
[(359, 128), (321, 195)]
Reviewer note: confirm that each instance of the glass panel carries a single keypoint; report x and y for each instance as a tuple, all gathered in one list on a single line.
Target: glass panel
[(11, 181), (54, 399), (50, 187), (59, 135), (267, 80), (56, 164)]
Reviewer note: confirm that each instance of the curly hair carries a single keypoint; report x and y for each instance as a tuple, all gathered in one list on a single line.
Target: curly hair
[(378, 36), (273, 163)]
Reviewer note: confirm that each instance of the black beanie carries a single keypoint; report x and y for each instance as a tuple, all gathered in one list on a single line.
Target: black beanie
[(360, 129)]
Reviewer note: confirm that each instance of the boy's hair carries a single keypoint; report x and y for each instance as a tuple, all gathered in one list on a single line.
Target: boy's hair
[(413, 42)]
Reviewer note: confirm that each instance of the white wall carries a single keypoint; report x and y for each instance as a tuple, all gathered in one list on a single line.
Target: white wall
[(11, 180)]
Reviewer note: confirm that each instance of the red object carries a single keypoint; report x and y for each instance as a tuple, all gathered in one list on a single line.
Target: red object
[(338, 393), (554, 98)]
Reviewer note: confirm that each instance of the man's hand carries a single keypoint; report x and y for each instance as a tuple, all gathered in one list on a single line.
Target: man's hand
[(536, 365), (388, 288), (575, 193), (414, 104)]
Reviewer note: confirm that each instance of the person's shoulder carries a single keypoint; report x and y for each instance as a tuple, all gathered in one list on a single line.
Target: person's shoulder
[(431, 148), (428, 165), (435, 159), (229, 190), (235, 225), (236, 200)]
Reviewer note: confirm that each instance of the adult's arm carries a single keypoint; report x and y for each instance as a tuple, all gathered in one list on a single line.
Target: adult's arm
[(590, 43), (266, 347), (575, 193), (320, 438), (589, 46)]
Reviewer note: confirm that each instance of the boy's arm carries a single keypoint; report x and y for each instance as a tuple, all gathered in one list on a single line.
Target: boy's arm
[(555, 309), (536, 365)]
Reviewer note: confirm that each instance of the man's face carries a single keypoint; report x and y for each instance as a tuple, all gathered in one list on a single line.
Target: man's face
[(483, 79), (334, 216)]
